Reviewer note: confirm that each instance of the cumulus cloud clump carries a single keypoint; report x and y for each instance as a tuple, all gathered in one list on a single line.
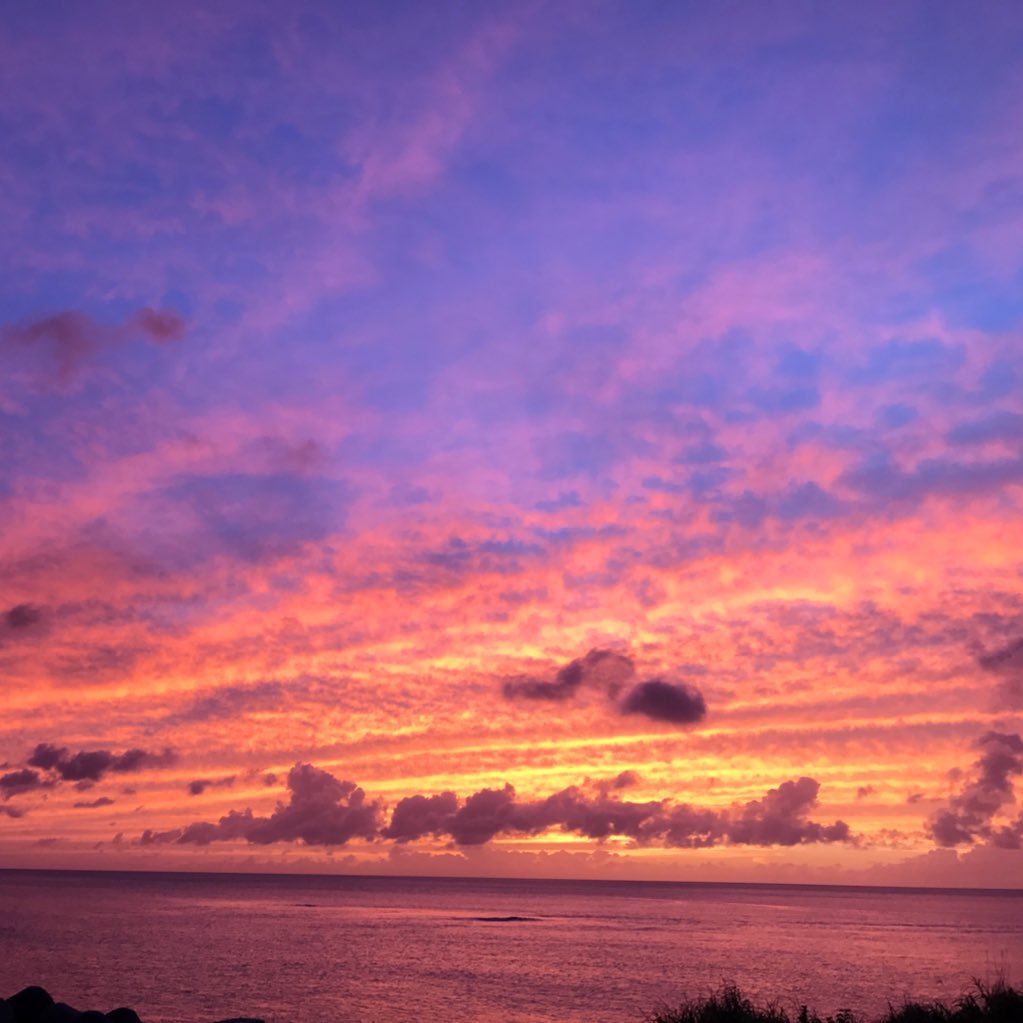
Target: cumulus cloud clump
[(777, 819), (321, 810), (971, 813)]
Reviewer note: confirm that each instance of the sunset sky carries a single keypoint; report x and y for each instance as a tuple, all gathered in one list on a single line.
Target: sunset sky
[(520, 438)]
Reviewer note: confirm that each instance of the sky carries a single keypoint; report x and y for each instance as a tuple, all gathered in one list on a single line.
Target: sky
[(576, 439)]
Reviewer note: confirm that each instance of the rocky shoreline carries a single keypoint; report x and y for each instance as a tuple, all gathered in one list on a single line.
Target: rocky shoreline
[(36, 1005)]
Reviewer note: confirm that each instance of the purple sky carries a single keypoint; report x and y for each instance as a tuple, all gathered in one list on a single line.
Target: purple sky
[(363, 366)]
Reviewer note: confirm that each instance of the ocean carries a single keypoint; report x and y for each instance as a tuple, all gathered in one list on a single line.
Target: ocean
[(187, 948)]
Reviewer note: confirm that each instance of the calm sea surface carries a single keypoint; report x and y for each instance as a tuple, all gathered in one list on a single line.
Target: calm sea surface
[(357, 950)]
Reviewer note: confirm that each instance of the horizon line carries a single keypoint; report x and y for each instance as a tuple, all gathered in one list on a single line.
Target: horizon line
[(548, 880)]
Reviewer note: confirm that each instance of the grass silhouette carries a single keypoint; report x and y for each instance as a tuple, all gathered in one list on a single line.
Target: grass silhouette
[(986, 1003)]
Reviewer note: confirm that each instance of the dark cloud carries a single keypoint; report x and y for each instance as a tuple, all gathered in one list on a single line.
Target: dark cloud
[(610, 672), (322, 810), (232, 825), (89, 765), (1010, 836), (22, 616), (777, 819), (46, 756), (969, 814), (92, 765), (136, 759), (11, 811), (665, 701), (200, 785), (417, 816), (780, 818), (70, 338), (160, 325), (150, 837), (15, 783), (487, 813), (864, 790), (602, 668), (93, 804), (598, 817), (1007, 663)]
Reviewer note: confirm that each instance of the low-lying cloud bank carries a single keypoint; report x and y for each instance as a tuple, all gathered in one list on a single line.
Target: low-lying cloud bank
[(323, 810)]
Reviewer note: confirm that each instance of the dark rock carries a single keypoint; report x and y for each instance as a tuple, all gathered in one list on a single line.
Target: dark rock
[(240, 1019), (91, 1017), (28, 1004), (123, 1015), (59, 1012), (6, 1012)]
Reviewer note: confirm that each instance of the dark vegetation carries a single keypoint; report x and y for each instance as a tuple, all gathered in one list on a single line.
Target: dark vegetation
[(987, 1003), (36, 1005)]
